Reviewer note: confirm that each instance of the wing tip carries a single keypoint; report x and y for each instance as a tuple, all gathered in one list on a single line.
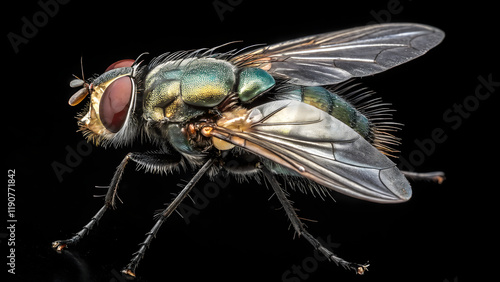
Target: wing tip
[(396, 182)]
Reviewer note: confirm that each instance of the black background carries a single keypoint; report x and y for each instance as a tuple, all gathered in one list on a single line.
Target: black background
[(445, 233)]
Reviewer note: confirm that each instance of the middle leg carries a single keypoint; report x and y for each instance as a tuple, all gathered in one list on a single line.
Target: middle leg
[(130, 268)]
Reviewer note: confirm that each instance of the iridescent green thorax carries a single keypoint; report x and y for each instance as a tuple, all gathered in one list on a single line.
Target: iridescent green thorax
[(175, 89), (180, 90)]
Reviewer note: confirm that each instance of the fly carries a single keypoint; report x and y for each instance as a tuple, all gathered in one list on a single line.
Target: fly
[(279, 110)]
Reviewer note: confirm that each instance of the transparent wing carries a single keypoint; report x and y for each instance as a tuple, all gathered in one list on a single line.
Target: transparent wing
[(319, 147), (331, 58)]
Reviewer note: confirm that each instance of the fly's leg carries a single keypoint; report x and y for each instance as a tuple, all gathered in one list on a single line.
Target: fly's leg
[(435, 176), (59, 245), (301, 231), (108, 202), (155, 160), (134, 262)]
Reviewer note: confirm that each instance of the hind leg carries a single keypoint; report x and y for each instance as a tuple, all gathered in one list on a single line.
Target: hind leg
[(301, 231)]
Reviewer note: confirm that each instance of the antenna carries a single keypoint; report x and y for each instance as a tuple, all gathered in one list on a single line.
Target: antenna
[(82, 93)]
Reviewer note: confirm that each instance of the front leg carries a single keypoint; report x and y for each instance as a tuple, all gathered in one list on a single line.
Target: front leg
[(151, 161)]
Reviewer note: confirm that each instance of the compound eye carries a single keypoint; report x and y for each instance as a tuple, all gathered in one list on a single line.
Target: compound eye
[(120, 64), (115, 102)]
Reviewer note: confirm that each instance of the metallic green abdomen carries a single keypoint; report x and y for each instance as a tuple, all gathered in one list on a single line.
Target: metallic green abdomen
[(331, 103)]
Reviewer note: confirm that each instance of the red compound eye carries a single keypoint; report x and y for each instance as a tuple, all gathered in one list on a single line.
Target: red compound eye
[(115, 102), (121, 64)]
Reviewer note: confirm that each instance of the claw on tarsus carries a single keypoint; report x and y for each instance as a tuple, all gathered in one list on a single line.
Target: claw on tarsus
[(129, 273), (362, 269), (58, 245)]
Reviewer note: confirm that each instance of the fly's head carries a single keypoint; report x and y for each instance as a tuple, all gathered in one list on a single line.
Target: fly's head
[(109, 116)]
